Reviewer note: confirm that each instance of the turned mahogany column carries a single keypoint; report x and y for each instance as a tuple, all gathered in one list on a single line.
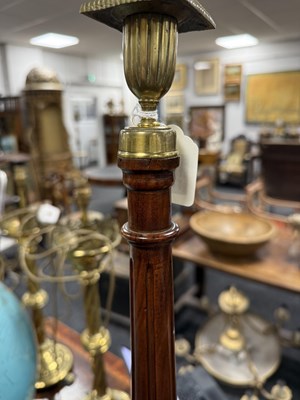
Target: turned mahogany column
[(150, 232), (148, 157)]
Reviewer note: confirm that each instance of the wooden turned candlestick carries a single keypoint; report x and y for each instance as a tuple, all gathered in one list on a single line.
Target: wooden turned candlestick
[(148, 157)]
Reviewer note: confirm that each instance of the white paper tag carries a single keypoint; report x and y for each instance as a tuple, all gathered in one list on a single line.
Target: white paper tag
[(48, 214), (183, 190)]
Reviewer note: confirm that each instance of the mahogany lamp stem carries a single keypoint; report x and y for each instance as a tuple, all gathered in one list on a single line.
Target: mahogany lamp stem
[(150, 232)]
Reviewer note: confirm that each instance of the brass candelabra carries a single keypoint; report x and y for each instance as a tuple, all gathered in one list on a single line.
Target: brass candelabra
[(90, 253), (88, 259), (238, 348), (54, 359)]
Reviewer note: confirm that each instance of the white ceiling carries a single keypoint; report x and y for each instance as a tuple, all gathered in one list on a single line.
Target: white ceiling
[(268, 20)]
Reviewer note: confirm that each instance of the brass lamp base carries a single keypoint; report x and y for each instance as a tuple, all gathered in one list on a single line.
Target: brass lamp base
[(55, 363), (111, 394)]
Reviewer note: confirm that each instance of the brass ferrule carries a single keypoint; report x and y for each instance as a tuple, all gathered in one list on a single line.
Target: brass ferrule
[(147, 142)]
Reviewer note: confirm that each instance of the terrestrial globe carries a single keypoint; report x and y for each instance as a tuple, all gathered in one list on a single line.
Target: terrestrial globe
[(17, 349)]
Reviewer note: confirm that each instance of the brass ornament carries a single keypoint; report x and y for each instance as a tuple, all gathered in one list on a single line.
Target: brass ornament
[(281, 392), (232, 301), (147, 142), (42, 79), (55, 361)]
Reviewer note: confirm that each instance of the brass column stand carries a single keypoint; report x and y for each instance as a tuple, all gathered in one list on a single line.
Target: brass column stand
[(148, 158), (87, 259)]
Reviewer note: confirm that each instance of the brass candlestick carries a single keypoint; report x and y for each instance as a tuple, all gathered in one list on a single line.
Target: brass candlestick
[(87, 258), (20, 177), (83, 196), (83, 218), (89, 219), (90, 252), (148, 157), (54, 359)]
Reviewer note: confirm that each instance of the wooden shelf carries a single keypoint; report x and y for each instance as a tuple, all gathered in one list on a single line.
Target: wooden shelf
[(11, 120), (270, 265), (113, 124)]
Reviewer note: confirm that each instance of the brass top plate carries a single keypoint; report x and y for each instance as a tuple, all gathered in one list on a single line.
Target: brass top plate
[(190, 14)]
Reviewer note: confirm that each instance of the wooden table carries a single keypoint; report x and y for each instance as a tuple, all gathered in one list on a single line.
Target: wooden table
[(270, 265), (110, 175), (117, 375)]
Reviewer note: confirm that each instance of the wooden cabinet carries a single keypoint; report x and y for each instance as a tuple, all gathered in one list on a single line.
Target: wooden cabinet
[(113, 124), (280, 162), (11, 127)]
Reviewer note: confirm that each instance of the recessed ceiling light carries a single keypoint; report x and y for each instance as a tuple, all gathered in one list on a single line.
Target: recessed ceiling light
[(54, 40), (236, 41)]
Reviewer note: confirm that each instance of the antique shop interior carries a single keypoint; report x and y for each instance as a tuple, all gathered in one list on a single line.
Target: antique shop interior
[(150, 200)]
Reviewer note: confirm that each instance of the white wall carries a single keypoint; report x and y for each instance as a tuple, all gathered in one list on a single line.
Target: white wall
[(110, 82), (20, 61), (259, 59), (3, 85), (72, 72)]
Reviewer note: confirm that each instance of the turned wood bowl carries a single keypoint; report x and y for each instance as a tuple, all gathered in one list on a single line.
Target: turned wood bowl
[(233, 234)]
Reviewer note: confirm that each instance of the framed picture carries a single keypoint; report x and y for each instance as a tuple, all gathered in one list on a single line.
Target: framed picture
[(84, 108), (207, 77), (273, 96), (232, 73), (232, 82), (174, 103), (232, 92), (179, 82), (207, 125)]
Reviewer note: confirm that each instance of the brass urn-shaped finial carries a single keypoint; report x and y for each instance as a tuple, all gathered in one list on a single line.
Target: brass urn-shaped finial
[(151, 41)]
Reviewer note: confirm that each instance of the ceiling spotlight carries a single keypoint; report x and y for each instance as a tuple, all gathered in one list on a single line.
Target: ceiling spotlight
[(236, 41), (54, 40)]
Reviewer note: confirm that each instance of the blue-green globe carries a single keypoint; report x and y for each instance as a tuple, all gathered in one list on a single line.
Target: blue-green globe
[(17, 349)]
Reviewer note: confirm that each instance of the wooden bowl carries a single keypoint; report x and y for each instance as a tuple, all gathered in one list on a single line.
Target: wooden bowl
[(233, 234)]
